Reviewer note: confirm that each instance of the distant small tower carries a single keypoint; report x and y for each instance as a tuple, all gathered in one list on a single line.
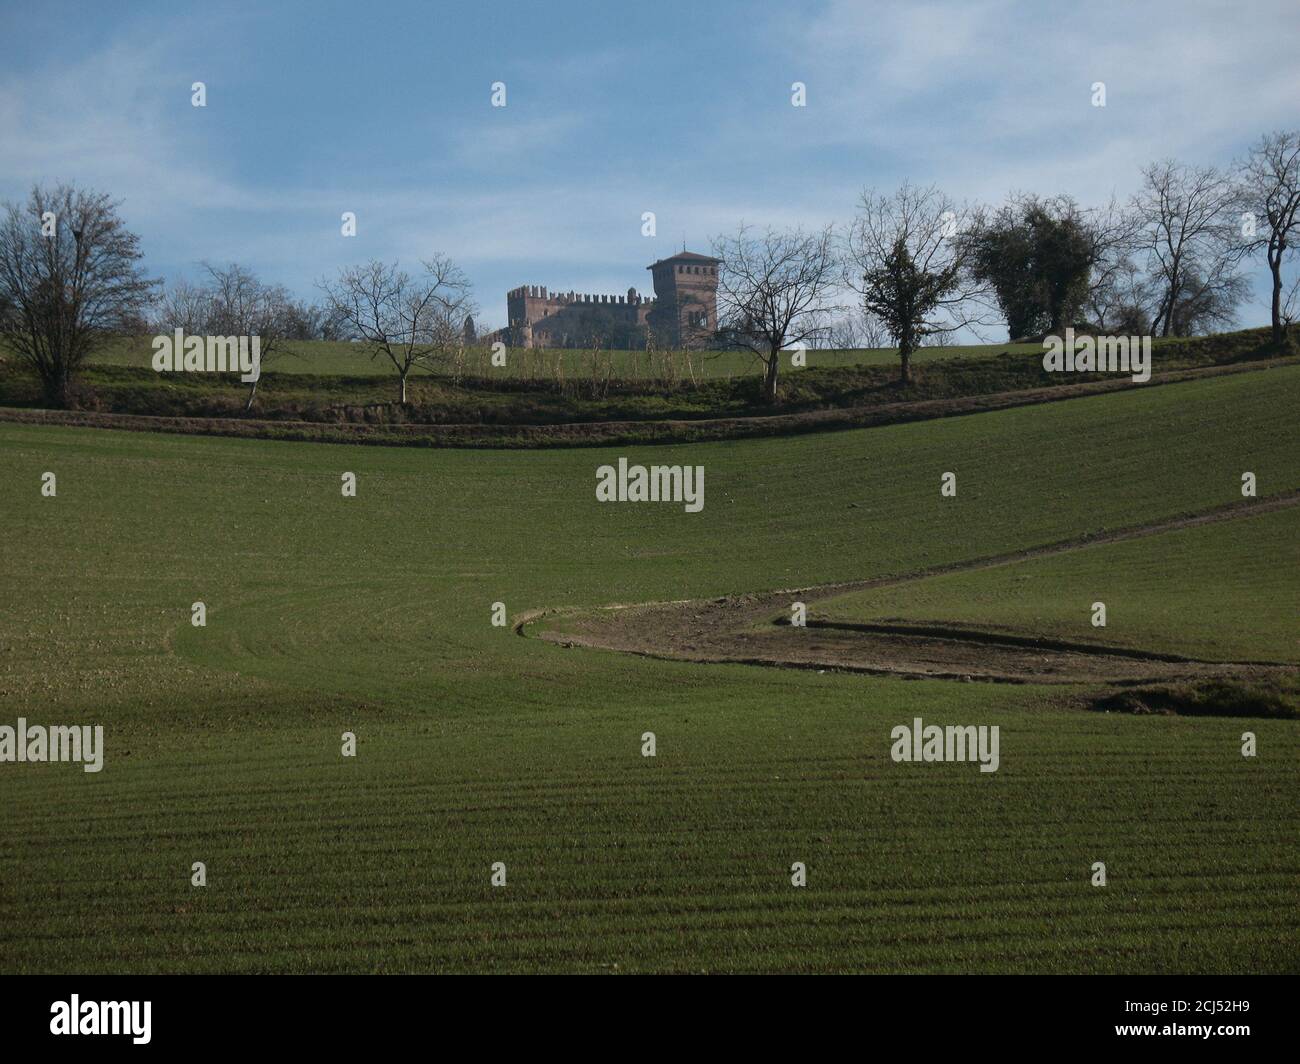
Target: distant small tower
[(686, 291)]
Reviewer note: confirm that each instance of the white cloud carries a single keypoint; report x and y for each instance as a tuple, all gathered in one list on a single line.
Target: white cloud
[(982, 98)]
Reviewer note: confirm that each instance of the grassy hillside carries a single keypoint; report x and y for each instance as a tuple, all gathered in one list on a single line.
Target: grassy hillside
[(1221, 592), (331, 358), (516, 396), (372, 615)]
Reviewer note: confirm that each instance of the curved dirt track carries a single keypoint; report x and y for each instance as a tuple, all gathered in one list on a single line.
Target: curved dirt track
[(753, 629)]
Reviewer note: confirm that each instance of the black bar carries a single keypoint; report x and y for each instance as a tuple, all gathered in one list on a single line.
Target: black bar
[(347, 1013)]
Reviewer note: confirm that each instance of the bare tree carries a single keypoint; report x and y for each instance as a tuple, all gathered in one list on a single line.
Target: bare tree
[(410, 321), (856, 331), (1122, 301), (1291, 304), (181, 305), (1205, 308), (233, 301), (239, 304), (68, 279), (774, 292), (905, 258), (306, 321), (1268, 184), (1188, 237), (1113, 231)]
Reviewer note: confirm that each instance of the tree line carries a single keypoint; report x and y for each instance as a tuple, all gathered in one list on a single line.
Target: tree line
[(920, 267), (913, 266)]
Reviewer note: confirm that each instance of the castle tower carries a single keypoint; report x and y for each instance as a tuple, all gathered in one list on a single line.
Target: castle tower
[(686, 293)]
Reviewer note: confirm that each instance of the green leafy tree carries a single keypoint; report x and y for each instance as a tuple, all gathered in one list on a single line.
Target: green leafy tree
[(1037, 256), (906, 260)]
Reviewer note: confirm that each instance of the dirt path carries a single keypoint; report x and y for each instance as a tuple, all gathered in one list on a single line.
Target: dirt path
[(754, 628)]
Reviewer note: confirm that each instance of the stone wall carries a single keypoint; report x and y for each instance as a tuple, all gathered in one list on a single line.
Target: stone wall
[(683, 312)]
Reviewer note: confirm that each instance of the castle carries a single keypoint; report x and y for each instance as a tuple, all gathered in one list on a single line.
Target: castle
[(683, 312)]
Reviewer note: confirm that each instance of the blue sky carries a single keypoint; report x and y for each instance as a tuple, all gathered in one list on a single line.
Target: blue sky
[(683, 109)]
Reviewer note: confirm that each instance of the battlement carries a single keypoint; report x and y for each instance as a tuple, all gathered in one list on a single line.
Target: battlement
[(540, 293), (683, 309)]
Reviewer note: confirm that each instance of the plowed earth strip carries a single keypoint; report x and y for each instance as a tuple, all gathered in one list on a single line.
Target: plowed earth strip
[(753, 629)]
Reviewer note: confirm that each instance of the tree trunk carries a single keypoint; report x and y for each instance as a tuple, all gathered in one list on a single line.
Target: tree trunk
[(252, 393), (58, 389), (905, 364), (403, 390), (770, 377), (1175, 280), (1278, 332)]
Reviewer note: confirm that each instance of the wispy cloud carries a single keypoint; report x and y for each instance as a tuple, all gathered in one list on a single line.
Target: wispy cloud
[(686, 114)]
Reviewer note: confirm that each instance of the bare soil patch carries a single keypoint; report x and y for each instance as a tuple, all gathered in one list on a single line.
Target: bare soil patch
[(754, 629)]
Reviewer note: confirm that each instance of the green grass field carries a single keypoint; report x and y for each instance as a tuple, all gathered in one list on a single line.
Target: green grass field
[(371, 614), (1221, 592), (346, 359), (611, 395)]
